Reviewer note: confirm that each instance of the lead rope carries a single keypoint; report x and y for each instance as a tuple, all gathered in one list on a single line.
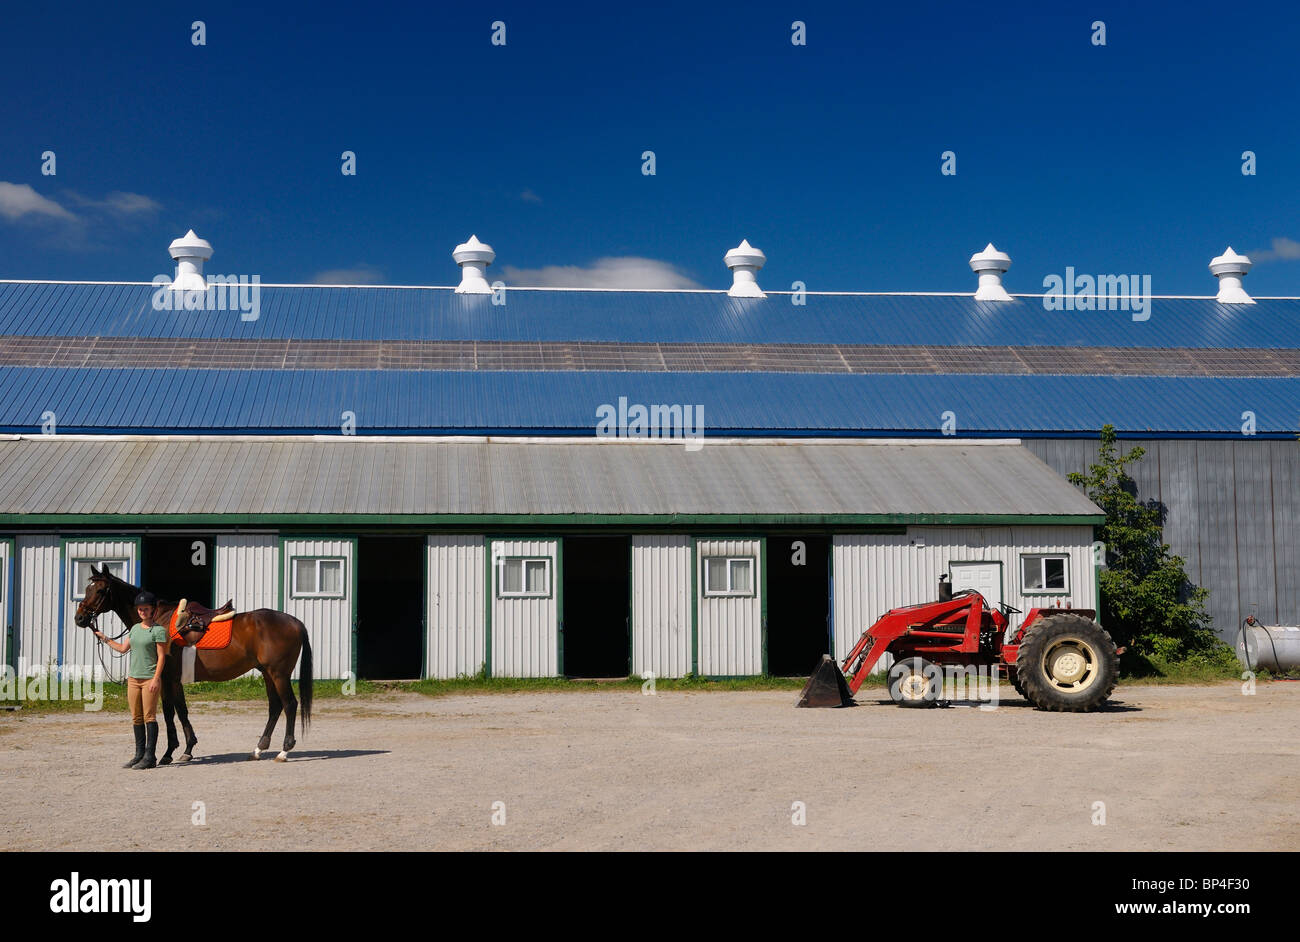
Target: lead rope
[(108, 673)]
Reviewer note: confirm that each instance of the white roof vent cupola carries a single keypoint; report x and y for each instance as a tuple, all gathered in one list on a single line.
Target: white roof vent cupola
[(1230, 268), (473, 257), (990, 265), (190, 253), (744, 261)]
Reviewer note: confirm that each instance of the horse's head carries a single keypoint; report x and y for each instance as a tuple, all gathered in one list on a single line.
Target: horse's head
[(97, 599)]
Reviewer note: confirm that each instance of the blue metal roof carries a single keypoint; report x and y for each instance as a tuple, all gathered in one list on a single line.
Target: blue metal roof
[(360, 313), (435, 402)]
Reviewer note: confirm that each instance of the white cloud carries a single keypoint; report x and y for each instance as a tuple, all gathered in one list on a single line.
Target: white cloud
[(19, 199), (362, 274), (623, 272), (119, 203), (1283, 249), (528, 196)]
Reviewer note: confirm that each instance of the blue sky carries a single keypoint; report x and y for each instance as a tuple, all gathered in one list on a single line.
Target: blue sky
[(1117, 159)]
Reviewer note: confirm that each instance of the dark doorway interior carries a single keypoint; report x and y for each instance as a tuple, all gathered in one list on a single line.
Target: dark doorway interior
[(798, 604), (390, 607), (596, 606), (177, 567)]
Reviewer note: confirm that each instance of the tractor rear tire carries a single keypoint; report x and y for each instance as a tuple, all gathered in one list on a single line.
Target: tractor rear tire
[(1067, 664), (909, 685), (1015, 682)]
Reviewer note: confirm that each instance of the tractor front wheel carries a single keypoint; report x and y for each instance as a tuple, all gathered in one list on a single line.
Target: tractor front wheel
[(914, 682), (1067, 664)]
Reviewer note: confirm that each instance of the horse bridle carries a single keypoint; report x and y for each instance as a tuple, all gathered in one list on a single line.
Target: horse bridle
[(94, 616)]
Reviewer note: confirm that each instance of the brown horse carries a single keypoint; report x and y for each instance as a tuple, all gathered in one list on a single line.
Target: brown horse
[(264, 639)]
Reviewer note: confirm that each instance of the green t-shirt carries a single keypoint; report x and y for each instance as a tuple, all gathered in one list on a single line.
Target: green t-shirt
[(144, 654)]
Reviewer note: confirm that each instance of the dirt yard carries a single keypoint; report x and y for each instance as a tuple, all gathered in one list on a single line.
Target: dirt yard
[(1177, 768)]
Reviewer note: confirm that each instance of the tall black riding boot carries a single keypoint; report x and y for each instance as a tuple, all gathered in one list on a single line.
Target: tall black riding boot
[(150, 759), (139, 746)]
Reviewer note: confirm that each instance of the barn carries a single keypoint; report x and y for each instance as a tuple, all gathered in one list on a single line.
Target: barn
[(564, 482)]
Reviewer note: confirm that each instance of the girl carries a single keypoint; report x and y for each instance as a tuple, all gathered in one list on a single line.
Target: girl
[(147, 643)]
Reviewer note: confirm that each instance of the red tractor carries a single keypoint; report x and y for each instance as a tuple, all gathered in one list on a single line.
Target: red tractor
[(1058, 659)]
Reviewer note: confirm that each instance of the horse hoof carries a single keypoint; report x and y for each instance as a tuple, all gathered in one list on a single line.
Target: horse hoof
[(165, 760), (282, 757), (185, 758), (257, 753)]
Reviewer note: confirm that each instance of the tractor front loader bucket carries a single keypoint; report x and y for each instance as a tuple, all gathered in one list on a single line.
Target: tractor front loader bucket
[(826, 687)]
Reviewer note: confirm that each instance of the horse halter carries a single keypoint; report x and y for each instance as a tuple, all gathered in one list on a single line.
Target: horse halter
[(92, 616)]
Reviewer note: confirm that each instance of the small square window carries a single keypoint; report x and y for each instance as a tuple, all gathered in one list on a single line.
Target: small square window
[(1043, 574), (524, 577), (81, 573), (729, 575), (316, 577)]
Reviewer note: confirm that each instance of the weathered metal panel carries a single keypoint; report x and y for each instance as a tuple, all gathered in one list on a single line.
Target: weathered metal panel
[(1216, 530), (79, 645), (7, 610), (98, 400), (37, 577), (329, 620), (1285, 460), (1252, 475), (456, 605), (525, 631), (730, 628), (352, 474), (1232, 511), (380, 312), (876, 573), (661, 605), (1176, 489), (246, 571)]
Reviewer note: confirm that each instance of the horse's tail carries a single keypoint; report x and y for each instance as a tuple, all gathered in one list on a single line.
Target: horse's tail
[(304, 678)]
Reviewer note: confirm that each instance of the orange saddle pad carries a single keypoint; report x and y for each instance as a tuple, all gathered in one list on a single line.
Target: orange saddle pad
[(217, 636)]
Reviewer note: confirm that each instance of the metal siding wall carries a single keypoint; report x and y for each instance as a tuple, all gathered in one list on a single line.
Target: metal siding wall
[(731, 629), (8, 613), (1233, 513), (78, 643), (328, 621), (456, 589), (661, 605), (1175, 486), (525, 632), (1285, 460), (1256, 586), (876, 573), (37, 594), (246, 572)]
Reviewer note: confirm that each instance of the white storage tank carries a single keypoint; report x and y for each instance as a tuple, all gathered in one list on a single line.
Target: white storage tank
[(1268, 647)]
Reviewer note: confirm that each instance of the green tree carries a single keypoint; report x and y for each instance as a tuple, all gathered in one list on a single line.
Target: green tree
[(1147, 601)]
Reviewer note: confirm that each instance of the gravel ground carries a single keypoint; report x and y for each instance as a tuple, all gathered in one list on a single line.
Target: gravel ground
[(1178, 768)]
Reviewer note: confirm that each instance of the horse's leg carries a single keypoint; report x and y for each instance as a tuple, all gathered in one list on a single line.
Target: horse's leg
[(285, 687), (183, 711), (169, 711), (274, 706)]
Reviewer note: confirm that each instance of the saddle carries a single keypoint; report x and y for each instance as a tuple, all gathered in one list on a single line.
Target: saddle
[(215, 623)]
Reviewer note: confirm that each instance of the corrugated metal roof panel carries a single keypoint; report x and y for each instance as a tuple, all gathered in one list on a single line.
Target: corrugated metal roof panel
[(402, 402), (685, 317), (359, 476)]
